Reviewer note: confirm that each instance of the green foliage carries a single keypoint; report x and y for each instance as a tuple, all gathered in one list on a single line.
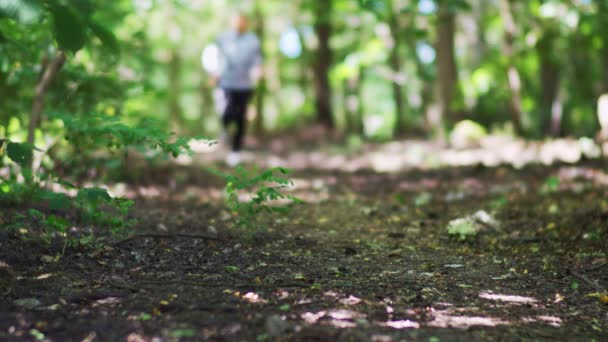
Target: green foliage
[(551, 185), (94, 205), (262, 189), (463, 228), (100, 131), (68, 27), (72, 21), (20, 153)]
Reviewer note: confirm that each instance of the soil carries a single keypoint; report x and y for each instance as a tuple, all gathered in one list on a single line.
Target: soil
[(367, 257)]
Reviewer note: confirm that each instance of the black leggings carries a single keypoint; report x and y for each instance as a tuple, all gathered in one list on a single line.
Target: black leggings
[(236, 111)]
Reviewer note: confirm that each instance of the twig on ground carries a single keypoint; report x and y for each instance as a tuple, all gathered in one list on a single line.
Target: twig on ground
[(201, 284), (597, 267), (166, 236), (587, 280)]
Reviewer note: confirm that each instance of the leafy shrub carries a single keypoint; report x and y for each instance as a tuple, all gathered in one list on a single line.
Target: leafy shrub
[(92, 205), (262, 188)]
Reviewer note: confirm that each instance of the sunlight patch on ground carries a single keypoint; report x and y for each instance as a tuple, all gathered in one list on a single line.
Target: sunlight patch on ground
[(253, 298), (443, 319), (551, 320), (401, 155), (507, 298), (340, 318), (407, 324), (351, 300)]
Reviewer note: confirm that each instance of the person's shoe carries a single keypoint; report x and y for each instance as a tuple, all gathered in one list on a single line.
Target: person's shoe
[(233, 159)]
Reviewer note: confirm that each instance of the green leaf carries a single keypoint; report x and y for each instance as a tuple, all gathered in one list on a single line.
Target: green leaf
[(106, 36), (231, 269), (20, 153), (94, 195), (65, 184), (70, 30), (56, 201), (58, 223), (84, 7), (183, 333)]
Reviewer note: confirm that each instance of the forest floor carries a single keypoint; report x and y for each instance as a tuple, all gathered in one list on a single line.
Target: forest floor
[(367, 257)]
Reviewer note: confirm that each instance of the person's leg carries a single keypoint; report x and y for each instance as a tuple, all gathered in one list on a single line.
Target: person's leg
[(229, 108), (241, 100)]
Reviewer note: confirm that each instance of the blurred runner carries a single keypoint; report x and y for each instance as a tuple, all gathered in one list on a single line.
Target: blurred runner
[(239, 59)]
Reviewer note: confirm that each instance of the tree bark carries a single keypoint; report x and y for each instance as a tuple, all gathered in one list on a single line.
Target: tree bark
[(396, 65), (513, 78), (426, 93), (48, 74), (446, 59), (602, 14), (322, 62), (480, 9), (605, 66), (175, 109), (550, 76), (206, 101), (260, 28), (352, 105)]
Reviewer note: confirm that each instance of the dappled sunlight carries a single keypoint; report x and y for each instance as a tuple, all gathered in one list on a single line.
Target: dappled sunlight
[(407, 324), (443, 319), (253, 298), (507, 298), (339, 318), (449, 316), (550, 320), (402, 155)]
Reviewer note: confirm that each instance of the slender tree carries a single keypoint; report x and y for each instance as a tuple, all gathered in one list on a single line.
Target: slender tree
[(175, 78), (446, 60), (323, 61), (550, 111), (260, 28), (396, 64), (513, 78), (49, 71), (602, 15)]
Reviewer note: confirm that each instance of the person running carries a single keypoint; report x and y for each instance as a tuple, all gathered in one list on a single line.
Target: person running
[(240, 56)]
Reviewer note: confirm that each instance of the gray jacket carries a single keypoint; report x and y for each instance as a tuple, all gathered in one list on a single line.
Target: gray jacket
[(239, 54)]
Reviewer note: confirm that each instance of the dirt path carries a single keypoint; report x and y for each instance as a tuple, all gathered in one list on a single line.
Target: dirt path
[(367, 258)]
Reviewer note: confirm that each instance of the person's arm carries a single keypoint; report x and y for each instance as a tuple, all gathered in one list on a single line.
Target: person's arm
[(215, 75)]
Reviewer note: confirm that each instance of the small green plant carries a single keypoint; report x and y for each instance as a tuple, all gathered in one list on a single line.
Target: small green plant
[(551, 185), (262, 188), (463, 228)]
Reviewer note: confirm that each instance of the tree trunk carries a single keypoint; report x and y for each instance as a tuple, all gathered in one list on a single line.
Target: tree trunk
[(422, 73), (396, 65), (549, 75), (175, 108), (513, 78), (48, 74), (603, 17), (206, 101), (322, 63), (260, 28), (446, 59), (480, 9), (605, 66), (352, 104)]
